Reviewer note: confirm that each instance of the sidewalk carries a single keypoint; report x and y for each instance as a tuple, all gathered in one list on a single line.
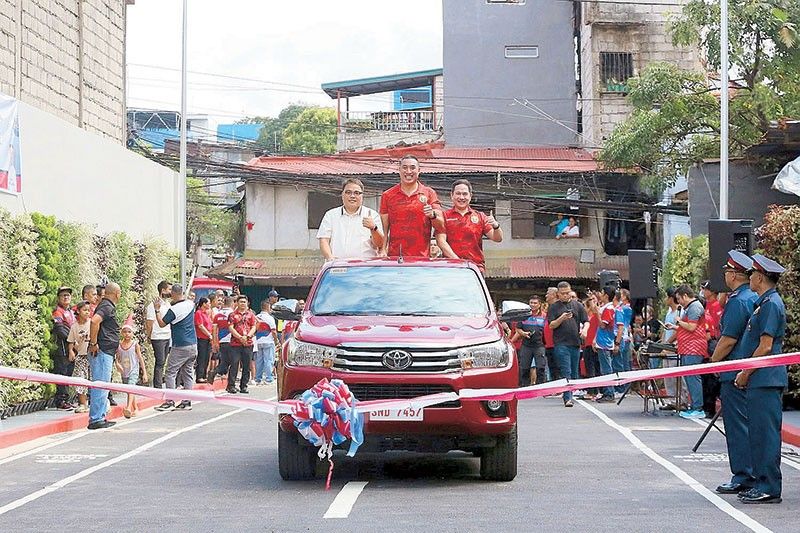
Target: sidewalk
[(23, 428), (791, 428)]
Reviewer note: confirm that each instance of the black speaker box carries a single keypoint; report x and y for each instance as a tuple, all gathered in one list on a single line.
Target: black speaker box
[(643, 274), (723, 236), (609, 278)]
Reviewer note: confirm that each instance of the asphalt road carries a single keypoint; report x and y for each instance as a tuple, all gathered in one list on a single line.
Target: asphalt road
[(589, 468)]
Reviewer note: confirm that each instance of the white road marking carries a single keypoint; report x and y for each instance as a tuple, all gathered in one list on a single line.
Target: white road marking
[(692, 483), (82, 433), (344, 501), (68, 458), (105, 464)]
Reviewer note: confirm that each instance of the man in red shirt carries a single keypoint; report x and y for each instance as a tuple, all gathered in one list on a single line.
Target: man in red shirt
[(462, 237), (408, 211), (242, 324)]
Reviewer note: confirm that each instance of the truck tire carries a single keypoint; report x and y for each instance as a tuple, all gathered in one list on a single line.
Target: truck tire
[(295, 461), (500, 463)]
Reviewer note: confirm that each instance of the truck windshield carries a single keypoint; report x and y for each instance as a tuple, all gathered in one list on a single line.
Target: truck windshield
[(400, 291)]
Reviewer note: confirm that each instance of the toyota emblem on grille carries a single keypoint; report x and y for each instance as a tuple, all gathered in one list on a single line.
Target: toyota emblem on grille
[(396, 360)]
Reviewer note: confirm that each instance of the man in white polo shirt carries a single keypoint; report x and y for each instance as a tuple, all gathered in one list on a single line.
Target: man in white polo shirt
[(159, 337), (351, 230)]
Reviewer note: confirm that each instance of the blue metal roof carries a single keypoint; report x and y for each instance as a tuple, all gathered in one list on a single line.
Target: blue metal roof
[(381, 84)]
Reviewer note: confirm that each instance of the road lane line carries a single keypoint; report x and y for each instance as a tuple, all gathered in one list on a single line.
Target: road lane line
[(344, 501), (105, 464), (692, 483)]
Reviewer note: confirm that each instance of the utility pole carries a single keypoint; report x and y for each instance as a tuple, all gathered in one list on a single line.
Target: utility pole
[(181, 211), (723, 98)]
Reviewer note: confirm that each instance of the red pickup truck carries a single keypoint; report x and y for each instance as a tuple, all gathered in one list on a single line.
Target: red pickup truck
[(394, 328)]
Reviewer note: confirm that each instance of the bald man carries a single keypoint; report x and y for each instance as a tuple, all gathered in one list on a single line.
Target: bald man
[(103, 344)]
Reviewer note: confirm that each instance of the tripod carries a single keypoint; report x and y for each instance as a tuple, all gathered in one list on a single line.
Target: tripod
[(712, 423)]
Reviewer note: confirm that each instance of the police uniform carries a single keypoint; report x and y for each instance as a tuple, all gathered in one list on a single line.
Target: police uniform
[(764, 390), (735, 317)]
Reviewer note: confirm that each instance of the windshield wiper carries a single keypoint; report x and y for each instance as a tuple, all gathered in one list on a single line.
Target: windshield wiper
[(420, 313), (341, 313)]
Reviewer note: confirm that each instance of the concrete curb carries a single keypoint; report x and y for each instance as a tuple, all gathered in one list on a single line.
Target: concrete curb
[(75, 421), (790, 434)]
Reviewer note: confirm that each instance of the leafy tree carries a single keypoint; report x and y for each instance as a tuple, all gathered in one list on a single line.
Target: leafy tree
[(675, 118), (687, 262), (314, 132), (271, 135), (207, 221)]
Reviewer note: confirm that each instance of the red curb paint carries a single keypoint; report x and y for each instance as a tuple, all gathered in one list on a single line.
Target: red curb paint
[(72, 421), (790, 434)]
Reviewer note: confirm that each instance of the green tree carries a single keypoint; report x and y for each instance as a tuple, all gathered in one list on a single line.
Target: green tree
[(675, 118), (207, 220), (314, 132), (271, 135)]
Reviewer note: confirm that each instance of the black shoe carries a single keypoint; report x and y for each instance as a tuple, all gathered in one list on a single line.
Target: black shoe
[(568, 403), (101, 424), (65, 406), (733, 488), (169, 405), (606, 399), (668, 407), (111, 401), (231, 390), (760, 497), (185, 405), (244, 390), (747, 492)]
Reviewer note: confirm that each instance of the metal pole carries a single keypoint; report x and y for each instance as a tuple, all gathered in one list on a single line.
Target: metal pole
[(182, 179), (723, 97)]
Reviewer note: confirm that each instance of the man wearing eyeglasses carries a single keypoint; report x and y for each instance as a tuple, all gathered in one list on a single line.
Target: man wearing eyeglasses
[(352, 230)]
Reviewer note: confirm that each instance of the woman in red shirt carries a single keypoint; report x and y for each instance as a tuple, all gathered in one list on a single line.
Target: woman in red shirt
[(202, 326)]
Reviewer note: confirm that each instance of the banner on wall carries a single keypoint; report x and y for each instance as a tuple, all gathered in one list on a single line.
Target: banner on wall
[(10, 167)]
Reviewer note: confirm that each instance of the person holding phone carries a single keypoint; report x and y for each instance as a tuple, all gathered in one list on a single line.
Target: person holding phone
[(570, 323)]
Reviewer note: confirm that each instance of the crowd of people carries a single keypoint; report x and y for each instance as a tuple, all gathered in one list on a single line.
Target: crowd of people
[(192, 342), (569, 338)]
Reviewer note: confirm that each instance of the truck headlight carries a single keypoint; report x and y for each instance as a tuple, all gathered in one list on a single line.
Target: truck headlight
[(307, 354), (492, 355)]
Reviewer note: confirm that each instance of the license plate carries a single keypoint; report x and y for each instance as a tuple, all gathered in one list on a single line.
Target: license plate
[(407, 414)]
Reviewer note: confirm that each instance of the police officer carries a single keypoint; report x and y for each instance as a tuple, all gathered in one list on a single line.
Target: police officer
[(735, 316), (764, 336)]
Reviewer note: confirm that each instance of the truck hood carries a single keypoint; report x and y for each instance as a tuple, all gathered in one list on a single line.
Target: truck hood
[(404, 331)]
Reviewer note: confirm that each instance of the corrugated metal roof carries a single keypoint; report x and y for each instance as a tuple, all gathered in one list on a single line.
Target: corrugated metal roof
[(303, 269), (555, 268), (380, 84), (436, 159)]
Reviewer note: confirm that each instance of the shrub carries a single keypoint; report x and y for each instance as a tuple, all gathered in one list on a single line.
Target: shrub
[(687, 262), (779, 239)]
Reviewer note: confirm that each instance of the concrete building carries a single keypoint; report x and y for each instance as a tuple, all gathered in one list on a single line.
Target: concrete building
[(510, 77), (617, 41), (398, 121), (63, 61), (67, 57)]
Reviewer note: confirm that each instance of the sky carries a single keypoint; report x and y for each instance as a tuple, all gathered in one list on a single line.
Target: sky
[(289, 48)]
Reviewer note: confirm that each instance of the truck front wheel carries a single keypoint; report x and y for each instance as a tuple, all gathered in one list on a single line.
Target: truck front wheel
[(500, 462), (295, 461)]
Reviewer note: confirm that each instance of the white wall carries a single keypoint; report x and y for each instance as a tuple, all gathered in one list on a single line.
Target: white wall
[(284, 227), (80, 176)]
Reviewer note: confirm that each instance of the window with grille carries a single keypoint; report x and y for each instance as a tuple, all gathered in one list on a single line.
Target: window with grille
[(615, 70), (529, 221)]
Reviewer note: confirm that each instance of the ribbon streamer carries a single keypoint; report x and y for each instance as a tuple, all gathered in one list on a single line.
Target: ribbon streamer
[(522, 393)]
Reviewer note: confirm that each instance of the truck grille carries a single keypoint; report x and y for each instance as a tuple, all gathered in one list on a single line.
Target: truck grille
[(369, 391), (370, 360)]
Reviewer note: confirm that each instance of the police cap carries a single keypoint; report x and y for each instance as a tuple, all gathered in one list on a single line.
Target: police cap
[(765, 265), (738, 261)]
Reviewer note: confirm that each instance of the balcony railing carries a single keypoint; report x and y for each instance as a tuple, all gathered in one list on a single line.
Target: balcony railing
[(388, 121)]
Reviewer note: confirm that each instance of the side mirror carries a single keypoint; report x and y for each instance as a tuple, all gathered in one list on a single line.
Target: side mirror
[(286, 310), (511, 311)]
